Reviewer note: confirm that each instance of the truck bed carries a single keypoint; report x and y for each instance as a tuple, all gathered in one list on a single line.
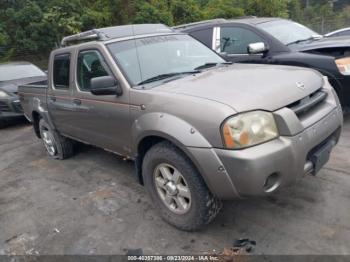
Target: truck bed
[(31, 96)]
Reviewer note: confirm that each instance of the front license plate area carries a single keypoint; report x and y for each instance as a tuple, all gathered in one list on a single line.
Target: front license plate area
[(320, 157)]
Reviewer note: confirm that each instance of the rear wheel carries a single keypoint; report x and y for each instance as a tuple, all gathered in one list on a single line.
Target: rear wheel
[(177, 189), (57, 146)]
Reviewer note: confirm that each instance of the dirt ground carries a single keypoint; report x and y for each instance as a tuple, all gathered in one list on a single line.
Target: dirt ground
[(91, 204)]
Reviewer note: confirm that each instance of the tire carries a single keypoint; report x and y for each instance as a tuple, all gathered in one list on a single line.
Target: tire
[(189, 213), (62, 147)]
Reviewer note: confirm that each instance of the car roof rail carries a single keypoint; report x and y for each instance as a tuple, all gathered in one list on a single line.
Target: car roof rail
[(217, 20), (113, 32), (93, 34), (244, 17)]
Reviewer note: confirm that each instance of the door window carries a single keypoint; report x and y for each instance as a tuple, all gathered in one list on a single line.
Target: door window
[(90, 65), (204, 36), (61, 69), (235, 40)]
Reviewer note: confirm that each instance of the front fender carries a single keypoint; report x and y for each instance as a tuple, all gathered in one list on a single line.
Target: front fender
[(192, 143), (169, 127)]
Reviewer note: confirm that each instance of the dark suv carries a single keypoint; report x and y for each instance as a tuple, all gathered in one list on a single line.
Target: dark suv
[(278, 41)]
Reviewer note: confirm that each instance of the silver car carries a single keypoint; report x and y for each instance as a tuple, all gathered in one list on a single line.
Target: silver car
[(199, 129)]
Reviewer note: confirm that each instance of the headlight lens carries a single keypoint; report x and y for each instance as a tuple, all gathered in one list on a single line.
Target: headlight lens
[(343, 65), (3, 94), (249, 129)]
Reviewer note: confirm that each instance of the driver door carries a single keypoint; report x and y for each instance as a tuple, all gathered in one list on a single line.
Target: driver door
[(100, 120)]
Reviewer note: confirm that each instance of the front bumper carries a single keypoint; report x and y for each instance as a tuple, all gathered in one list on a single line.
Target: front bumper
[(10, 108), (242, 173)]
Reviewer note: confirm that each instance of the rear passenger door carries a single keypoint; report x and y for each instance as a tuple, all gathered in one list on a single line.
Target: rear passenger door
[(59, 92), (232, 43)]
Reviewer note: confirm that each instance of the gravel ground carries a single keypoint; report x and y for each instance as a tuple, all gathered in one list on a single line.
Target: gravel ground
[(91, 204)]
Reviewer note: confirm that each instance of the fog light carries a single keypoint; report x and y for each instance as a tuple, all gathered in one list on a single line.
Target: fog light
[(272, 182)]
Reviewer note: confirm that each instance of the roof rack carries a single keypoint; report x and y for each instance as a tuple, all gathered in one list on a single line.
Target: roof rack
[(217, 20), (93, 34), (113, 32), (244, 17)]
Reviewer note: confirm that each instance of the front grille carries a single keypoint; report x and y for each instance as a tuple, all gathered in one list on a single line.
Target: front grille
[(4, 107), (307, 103)]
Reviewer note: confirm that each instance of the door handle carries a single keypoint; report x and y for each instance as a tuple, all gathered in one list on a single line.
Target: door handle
[(77, 102), (53, 98)]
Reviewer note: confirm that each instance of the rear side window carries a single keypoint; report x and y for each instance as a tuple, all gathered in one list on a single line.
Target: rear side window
[(61, 68), (235, 40)]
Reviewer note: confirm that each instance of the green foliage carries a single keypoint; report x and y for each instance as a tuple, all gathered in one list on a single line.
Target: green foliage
[(34, 27), (223, 9), (185, 11), (154, 11), (295, 10), (267, 8), (3, 36)]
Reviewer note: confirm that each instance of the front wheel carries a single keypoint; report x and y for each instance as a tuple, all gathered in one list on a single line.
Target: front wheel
[(177, 189), (57, 146)]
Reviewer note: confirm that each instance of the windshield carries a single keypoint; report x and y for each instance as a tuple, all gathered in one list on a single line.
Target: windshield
[(10, 72), (287, 31), (149, 57)]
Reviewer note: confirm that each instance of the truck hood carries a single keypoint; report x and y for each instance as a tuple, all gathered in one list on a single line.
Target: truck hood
[(249, 87), (12, 85), (331, 42)]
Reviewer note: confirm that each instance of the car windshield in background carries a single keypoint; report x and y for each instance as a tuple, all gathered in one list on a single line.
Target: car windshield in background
[(15, 71), (288, 32), (158, 57)]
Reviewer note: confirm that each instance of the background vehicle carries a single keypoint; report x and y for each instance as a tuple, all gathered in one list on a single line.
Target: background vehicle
[(199, 130), (278, 41), (11, 76), (340, 32)]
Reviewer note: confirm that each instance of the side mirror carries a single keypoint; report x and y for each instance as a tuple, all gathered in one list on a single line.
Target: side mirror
[(104, 86), (257, 48)]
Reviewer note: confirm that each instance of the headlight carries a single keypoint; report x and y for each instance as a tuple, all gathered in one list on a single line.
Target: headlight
[(3, 94), (249, 129), (343, 65)]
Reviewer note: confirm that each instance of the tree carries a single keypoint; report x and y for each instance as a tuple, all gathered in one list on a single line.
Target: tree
[(3, 35), (155, 11), (223, 9), (295, 10), (34, 27), (267, 8), (185, 11)]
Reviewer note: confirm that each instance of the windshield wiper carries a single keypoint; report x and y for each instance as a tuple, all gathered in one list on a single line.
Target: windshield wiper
[(304, 40), (208, 65), (164, 76)]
